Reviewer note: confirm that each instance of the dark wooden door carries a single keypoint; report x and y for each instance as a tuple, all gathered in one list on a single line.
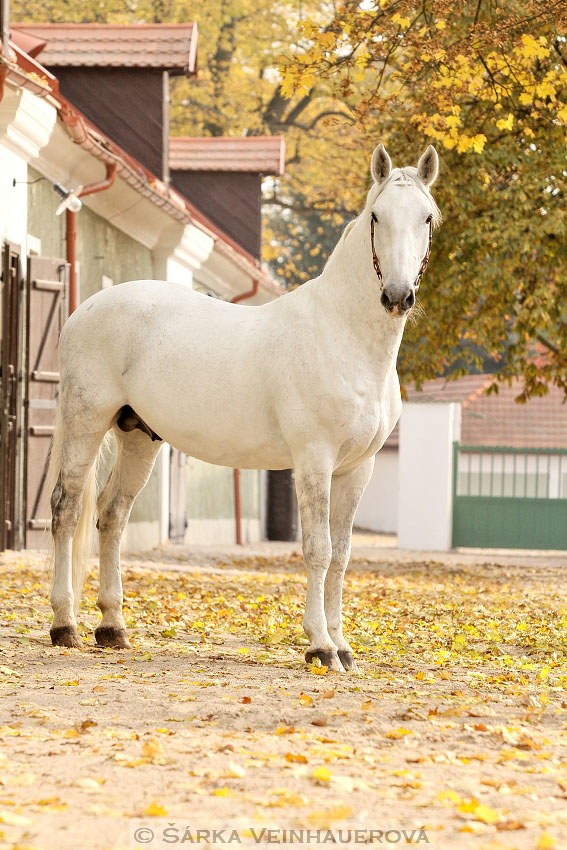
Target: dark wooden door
[(282, 505), (11, 400), (46, 310), (177, 496)]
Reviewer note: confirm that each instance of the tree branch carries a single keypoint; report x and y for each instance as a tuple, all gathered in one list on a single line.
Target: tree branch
[(290, 118), (548, 343), (325, 114), (477, 13), (273, 111), (558, 51), (525, 21)]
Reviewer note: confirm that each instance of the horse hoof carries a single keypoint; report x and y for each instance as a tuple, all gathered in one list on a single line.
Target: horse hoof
[(108, 636), (347, 660), (328, 657), (65, 636)]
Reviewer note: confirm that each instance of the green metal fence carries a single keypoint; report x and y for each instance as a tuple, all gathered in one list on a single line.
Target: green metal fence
[(509, 498)]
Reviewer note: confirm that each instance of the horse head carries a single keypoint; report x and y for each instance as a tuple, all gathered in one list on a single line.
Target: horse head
[(402, 215)]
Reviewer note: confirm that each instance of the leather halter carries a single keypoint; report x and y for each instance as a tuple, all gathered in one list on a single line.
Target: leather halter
[(376, 263)]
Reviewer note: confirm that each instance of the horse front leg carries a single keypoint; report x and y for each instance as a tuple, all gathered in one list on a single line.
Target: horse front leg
[(346, 493), (313, 485)]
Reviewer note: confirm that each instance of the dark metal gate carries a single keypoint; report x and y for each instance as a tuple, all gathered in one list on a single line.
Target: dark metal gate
[(282, 505), (509, 498), (11, 394), (46, 310)]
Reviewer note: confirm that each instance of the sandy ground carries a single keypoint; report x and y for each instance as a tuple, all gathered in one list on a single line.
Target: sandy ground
[(453, 735)]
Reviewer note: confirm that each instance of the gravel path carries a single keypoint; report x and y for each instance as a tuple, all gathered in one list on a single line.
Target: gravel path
[(453, 735)]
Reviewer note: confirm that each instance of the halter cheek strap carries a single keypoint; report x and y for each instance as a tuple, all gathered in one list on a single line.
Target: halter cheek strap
[(425, 260), (376, 263)]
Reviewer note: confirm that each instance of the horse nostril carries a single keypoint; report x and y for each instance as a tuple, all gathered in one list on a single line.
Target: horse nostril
[(386, 301), (409, 300)]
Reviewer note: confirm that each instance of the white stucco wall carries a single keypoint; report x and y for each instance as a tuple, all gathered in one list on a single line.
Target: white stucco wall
[(378, 510), (14, 207), (31, 134), (26, 122), (210, 504), (425, 495)]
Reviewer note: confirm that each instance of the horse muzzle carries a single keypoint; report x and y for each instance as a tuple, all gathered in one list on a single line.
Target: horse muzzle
[(398, 300)]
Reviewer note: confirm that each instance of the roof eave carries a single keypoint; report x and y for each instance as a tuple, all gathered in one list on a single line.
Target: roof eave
[(190, 68), (84, 133), (191, 159)]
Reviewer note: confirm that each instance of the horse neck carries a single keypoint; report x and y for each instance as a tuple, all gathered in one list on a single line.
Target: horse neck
[(352, 290)]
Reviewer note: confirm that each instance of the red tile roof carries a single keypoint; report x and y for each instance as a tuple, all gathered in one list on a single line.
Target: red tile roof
[(440, 389), (262, 154), (497, 419), (28, 43), (29, 73), (170, 47)]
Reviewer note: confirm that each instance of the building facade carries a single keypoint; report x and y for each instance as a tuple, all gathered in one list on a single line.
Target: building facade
[(467, 468), (133, 225)]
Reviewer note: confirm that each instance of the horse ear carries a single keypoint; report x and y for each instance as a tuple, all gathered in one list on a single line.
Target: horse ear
[(380, 164), (428, 166)]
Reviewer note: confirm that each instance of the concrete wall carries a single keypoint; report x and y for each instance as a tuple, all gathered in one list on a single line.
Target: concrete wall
[(106, 254), (102, 250), (210, 504), (14, 207), (126, 238), (43, 225), (425, 496), (378, 509)]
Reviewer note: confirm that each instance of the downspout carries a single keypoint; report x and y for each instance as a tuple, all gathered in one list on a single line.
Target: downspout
[(237, 509), (72, 231), (250, 294), (5, 35), (5, 8), (3, 75), (165, 100)]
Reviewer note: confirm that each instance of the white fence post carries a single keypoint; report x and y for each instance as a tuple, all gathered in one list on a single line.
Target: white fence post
[(425, 508)]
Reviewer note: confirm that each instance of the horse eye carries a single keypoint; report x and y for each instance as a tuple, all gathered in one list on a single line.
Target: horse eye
[(429, 219)]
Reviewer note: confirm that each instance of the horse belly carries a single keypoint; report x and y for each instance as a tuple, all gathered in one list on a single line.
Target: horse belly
[(212, 418), (226, 447)]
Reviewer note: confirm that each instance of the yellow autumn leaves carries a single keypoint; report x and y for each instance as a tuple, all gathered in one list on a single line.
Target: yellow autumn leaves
[(497, 79), (448, 130), (520, 76), (472, 811), (457, 715)]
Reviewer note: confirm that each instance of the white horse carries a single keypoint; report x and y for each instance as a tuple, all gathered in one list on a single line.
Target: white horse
[(306, 381)]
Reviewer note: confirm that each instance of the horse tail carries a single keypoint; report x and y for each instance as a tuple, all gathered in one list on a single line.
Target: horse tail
[(83, 536), (53, 470)]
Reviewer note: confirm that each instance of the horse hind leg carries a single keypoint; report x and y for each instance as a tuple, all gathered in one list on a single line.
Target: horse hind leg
[(134, 462), (72, 466)]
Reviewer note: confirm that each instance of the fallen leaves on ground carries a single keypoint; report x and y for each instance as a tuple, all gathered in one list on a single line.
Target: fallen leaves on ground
[(457, 718)]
